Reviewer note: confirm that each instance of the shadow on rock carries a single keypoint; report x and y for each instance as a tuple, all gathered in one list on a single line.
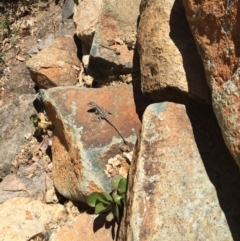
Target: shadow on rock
[(222, 171), (100, 222), (182, 37)]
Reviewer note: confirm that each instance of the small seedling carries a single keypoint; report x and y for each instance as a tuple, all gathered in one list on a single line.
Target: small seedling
[(111, 204), (39, 121)]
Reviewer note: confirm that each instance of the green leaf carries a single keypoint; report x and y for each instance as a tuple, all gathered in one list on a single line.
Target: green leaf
[(92, 199), (104, 199), (122, 186), (101, 208), (96, 197), (110, 216), (116, 180), (76, 2), (107, 196), (34, 119), (117, 198)]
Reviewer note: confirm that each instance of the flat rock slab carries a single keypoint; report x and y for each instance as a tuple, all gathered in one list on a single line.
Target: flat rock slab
[(170, 195), (82, 145)]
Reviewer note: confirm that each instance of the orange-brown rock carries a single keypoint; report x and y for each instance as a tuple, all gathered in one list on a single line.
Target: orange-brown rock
[(86, 227), (171, 68), (56, 64), (183, 183), (82, 145), (215, 27)]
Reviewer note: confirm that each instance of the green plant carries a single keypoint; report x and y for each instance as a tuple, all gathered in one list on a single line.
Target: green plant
[(76, 2), (111, 204), (40, 121)]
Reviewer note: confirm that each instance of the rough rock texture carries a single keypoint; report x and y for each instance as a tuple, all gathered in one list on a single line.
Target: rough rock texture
[(215, 26), (68, 9), (179, 156), (19, 186), (171, 67), (82, 145), (39, 46), (85, 227), (86, 18), (115, 38), (53, 65), (26, 219), (14, 125)]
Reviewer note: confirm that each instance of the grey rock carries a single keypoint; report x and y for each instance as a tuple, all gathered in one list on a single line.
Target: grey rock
[(15, 123), (114, 40), (65, 28), (45, 41), (15, 185), (67, 9)]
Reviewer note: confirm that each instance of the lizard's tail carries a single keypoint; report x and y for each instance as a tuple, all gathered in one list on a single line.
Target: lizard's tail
[(120, 135)]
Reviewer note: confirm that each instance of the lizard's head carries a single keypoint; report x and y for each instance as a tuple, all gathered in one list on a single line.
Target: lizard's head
[(91, 104)]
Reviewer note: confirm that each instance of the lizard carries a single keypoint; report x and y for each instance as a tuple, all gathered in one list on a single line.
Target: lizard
[(113, 49), (103, 114)]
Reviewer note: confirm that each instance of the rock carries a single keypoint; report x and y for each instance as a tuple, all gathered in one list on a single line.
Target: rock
[(115, 38), (170, 195), (19, 186), (85, 227), (68, 9), (25, 219), (53, 65), (86, 55), (86, 18), (171, 68), (66, 28), (32, 175), (81, 145), (15, 123), (219, 47), (40, 45), (30, 179), (51, 195)]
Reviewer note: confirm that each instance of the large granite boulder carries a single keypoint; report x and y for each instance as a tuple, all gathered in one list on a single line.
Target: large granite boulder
[(215, 27)]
